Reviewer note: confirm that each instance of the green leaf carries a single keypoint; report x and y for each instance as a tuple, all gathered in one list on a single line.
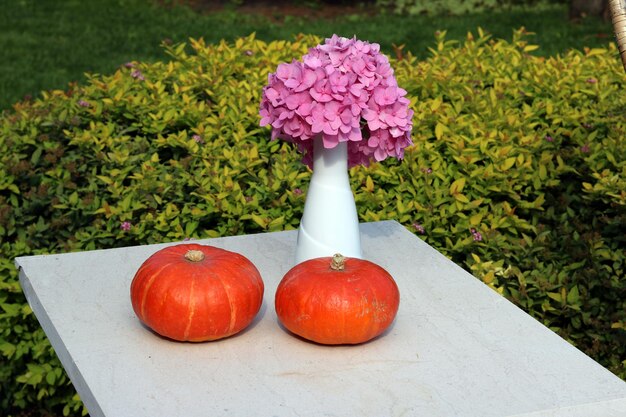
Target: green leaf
[(190, 228), (7, 349), (529, 48), (573, 296), (260, 220), (439, 129), (461, 198), (543, 172), (436, 103), (34, 159), (475, 219), (276, 224), (51, 378), (508, 163), (73, 198), (457, 186), (555, 296)]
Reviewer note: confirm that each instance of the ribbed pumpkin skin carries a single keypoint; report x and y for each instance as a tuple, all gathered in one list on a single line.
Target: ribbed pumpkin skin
[(196, 301), (337, 307)]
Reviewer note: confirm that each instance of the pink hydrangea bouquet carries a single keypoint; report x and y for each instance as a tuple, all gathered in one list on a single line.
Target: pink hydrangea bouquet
[(344, 91)]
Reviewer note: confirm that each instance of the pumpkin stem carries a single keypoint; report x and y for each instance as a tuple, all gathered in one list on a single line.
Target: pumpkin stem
[(338, 262), (194, 255)]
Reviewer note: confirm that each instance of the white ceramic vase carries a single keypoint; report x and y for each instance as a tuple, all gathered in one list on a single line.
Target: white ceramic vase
[(330, 223)]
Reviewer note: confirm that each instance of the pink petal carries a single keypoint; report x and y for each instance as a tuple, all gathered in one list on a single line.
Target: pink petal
[(292, 102), (380, 154), (317, 126), (335, 124), (330, 141), (278, 123), (285, 115), (374, 124), (265, 121), (308, 80), (329, 130), (304, 109), (283, 71), (346, 116), (355, 135), (312, 62)]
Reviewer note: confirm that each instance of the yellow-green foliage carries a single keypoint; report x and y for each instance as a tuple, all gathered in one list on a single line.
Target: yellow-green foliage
[(517, 174)]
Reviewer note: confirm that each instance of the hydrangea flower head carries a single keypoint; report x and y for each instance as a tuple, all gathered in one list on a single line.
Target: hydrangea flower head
[(345, 91)]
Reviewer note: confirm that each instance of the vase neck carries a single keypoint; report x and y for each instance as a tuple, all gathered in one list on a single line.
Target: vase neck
[(330, 222), (330, 162)]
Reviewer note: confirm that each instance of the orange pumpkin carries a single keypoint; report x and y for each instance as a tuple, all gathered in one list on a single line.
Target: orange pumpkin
[(337, 300), (193, 292)]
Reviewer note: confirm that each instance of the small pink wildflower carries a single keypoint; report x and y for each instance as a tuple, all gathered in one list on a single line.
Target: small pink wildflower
[(549, 138), (427, 170), (83, 103), (126, 226), (129, 65), (297, 191), (137, 75), (585, 148), (592, 80), (198, 138), (248, 52), (476, 235), (419, 228)]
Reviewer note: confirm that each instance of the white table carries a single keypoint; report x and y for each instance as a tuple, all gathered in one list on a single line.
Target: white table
[(457, 348)]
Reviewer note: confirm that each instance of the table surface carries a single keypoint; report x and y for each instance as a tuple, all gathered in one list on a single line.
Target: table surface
[(456, 348)]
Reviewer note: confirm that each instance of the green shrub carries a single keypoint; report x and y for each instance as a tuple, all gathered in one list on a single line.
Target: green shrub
[(455, 7), (530, 153), (517, 174)]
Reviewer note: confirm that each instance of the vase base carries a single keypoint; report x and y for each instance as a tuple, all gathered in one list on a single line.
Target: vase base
[(309, 248)]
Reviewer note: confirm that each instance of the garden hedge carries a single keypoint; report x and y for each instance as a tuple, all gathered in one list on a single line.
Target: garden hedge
[(517, 173), (457, 7)]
